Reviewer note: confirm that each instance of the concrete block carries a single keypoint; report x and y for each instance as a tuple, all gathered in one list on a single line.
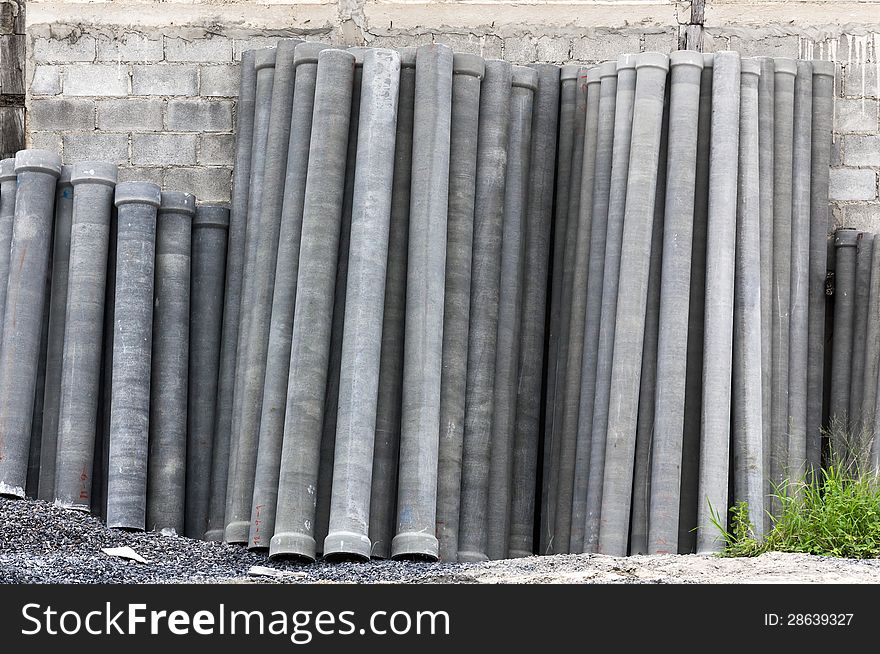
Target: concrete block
[(856, 115), (199, 115), (665, 41), (553, 49), (487, 46), (215, 48), (862, 216), (130, 46), (87, 146), (45, 141), (208, 184), (96, 79), (757, 45), (220, 80), (141, 114), (46, 81), (861, 150), (141, 174), (604, 46), (861, 80), (64, 50), (61, 113), (163, 149), (837, 152), (852, 185), (216, 149), (165, 79), (520, 49)]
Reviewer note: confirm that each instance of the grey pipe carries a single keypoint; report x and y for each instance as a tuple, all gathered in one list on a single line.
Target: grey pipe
[(675, 275), (567, 100), (872, 350), (244, 137), (468, 71), (93, 184), (823, 113), (362, 331), (864, 256), (720, 266), (137, 204), (539, 219), (798, 343), (482, 331), (210, 228), (7, 213), (37, 172), (166, 481), (313, 313), (265, 494), (55, 343), (383, 495), (846, 243), (748, 431), (423, 331), (635, 259), (593, 300), (623, 117), (524, 84)]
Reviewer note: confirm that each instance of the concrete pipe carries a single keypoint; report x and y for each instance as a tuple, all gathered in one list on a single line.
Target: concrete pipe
[(538, 234), (748, 431), (265, 494), (313, 313), (675, 276), (37, 173), (362, 331), (845, 243), (166, 483), (383, 495), (872, 349), (468, 71), (635, 259), (259, 283), (720, 267), (55, 341), (820, 155), (210, 228), (507, 354), (33, 474), (7, 213), (690, 461), (593, 299), (623, 117), (244, 137), (798, 341), (136, 205), (567, 101), (93, 184), (864, 256), (423, 331), (482, 331)]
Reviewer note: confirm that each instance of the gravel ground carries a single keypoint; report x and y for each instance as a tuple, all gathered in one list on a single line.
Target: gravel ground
[(42, 543)]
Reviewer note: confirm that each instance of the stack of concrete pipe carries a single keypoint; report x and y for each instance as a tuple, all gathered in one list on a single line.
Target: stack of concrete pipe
[(457, 309)]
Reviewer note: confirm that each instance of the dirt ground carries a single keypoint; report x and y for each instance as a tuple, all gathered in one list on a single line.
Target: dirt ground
[(42, 543)]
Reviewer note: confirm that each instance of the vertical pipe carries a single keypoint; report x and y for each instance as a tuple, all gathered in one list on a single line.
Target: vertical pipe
[(823, 112), (55, 345), (635, 259), (37, 172), (7, 213), (720, 265), (93, 184), (620, 156), (313, 312), (383, 495), (539, 218), (265, 495), (864, 256), (244, 138), (846, 243), (137, 204), (426, 269), (675, 276), (362, 330), (593, 304), (482, 331), (209, 240), (798, 343), (568, 93), (166, 481), (467, 72), (33, 467), (748, 432)]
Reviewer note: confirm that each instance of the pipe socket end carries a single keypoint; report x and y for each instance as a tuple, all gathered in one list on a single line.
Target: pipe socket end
[(307, 52), (525, 77), (38, 161), (7, 169), (415, 545), (100, 172), (594, 75), (846, 237), (407, 57), (686, 58), (652, 60), (336, 56), (64, 180), (290, 545), (346, 546), (785, 65), (358, 53), (569, 72), (472, 557), (138, 192), (211, 215), (827, 68), (264, 58), (608, 69), (626, 61), (468, 64), (708, 60), (750, 66), (178, 202)]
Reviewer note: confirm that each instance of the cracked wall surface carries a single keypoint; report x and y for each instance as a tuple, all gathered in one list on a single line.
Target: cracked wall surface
[(152, 85)]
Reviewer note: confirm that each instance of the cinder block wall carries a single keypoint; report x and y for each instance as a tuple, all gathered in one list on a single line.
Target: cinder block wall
[(152, 85)]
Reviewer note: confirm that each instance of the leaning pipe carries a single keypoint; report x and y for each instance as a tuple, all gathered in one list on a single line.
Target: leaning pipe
[(845, 243)]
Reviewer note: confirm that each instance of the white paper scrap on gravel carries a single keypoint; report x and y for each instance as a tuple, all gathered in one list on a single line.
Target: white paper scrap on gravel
[(124, 552)]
